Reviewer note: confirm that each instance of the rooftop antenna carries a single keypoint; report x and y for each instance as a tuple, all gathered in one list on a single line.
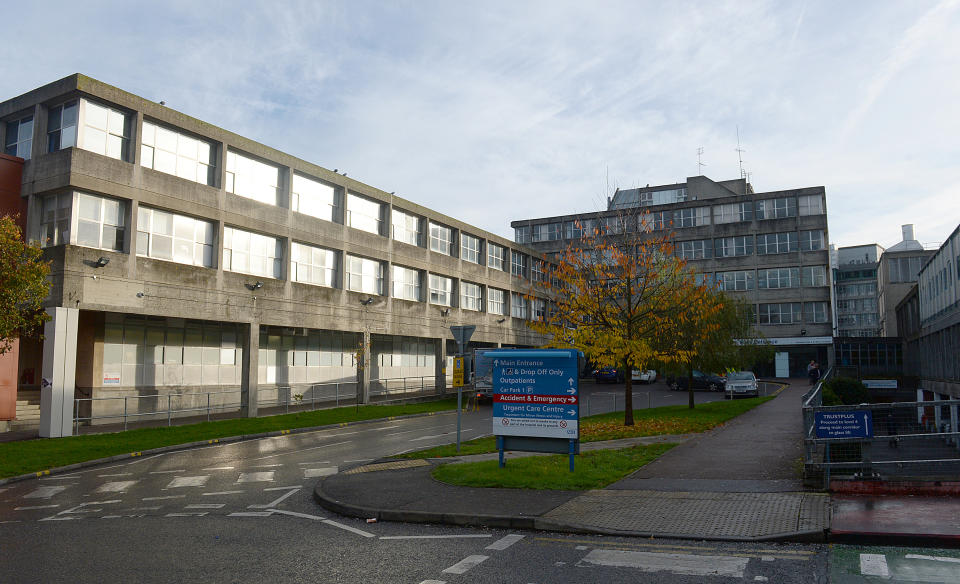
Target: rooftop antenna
[(740, 152), (700, 162)]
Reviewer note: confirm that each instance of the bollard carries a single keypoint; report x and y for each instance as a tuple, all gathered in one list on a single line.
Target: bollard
[(124, 413), (208, 406), (169, 407)]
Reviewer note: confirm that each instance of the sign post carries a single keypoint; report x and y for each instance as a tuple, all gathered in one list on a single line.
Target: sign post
[(536, 401), (462, 335), (849, 424)]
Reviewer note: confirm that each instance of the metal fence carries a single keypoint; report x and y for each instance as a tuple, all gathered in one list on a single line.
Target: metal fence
[(175, 405), (904, 441)]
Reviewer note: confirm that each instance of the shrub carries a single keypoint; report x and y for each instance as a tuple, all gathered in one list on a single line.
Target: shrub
[(849, 390), (830, 397)]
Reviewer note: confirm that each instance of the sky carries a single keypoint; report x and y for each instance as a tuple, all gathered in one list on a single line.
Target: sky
[(495, 111)]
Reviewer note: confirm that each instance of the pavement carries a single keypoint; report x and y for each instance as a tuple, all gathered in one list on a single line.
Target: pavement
[(737, 482)]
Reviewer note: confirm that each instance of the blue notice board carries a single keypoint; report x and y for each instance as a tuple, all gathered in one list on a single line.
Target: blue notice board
[(849, 424), (536, 393)]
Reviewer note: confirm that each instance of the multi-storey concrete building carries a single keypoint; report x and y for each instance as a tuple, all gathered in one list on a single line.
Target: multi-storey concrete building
[(855, 281), (769, 248), (897, 271), (186, 258)]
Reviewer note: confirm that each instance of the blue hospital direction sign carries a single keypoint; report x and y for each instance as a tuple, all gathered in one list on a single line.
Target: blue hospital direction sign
[(849, 424), (536, 394)]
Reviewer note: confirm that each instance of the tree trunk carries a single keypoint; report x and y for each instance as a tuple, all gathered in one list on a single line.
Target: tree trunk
[(628, 395), (690, 387)]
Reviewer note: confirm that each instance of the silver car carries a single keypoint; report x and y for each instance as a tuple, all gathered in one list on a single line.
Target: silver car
[(742, 383)]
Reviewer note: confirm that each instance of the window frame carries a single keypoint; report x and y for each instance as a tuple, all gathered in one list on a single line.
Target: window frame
[(471, 296), (203, 251), (230, 232), (469, 252), (440, 290), (330, 272), (438, 243), (21, 146)]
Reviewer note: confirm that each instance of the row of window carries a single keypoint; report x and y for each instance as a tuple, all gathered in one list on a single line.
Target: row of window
[(771, 278), (105, 130), (745, 245), (779, 208), (100, 223), (793, 313)]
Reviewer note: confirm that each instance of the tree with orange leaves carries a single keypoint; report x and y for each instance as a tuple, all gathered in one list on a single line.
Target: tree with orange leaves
[(621, 296)]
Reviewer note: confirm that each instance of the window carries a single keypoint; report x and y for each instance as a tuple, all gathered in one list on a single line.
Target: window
[(782, 313), (778, 278), (364, 275), (579, 228), (811, 240), (518, 306), (691, 217), (546, 232), (251, 253), (729, 247), (739, 280), (252, 179), (773, 243), (694, 250), (441, 290), (62, 126), (733, 212), (364, 214), (178, 154), (538, 271), (810, 205), (405, 227), (777, 208), (310, 264), (55, 220), (178, 238), (406, 283), (470, 298), (441, 239), (657, 220), (470, 248), (521, 234), (314, 198), (519, 263), (538, 309), (614, 224), (815, 312), (496, 301), (812, 276), (496, 256), (100, 222), (19, 139), (106, 130)]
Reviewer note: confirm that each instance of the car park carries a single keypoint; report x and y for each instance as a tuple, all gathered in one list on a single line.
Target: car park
[(701, 380), (644, 375), (742, 383)]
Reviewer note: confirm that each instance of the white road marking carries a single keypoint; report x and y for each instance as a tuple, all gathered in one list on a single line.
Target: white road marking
[(276, 502), (14, 521), (295, 514), (256, 477), (56, 518), (505, 542), (222, 493), (316, 462), (767, 558), (348, 528), (35, 507), (45, 492), (206, 506), (167, 471), (146, 508), (115, 486), (687, 564), (119, 474), (111, 517), (760, 578), (185, 514), (62, 477), (218, 468), (405, 432), (433, 536), (385, 428), (283, 488), (359, 460), (266, 465), (434, 582), (874, 565), (429, 437), (163, 498), (250, 514), (306, 449), (197, 481), (312, 473), (934, 558), (465, 564)]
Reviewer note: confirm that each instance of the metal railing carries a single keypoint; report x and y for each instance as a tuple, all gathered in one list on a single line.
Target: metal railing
[(916, 441), (175, 405)]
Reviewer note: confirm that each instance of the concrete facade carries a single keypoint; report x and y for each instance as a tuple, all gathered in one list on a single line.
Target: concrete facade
[(855, 281), (202, 326), (769, 248), (897, 272)]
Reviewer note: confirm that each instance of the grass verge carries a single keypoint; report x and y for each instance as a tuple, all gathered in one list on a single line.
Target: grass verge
[(27, 456), (594, 470), (648, 422)]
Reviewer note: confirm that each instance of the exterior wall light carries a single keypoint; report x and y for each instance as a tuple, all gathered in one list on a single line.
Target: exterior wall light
[(255, 285), (367, 302), (101, 261), (444, 311)]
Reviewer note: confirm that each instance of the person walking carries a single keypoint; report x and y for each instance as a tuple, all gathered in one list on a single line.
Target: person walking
[(813, 372)]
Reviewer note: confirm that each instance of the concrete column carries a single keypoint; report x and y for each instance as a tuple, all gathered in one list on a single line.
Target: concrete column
[(59, 372), (249, 375), (364, 373), (953, 424), (441, 367), (936, 413)]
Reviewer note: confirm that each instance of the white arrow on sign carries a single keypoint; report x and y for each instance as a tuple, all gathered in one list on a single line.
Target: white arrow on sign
[(571, 391), (496, 362), (865, 427), (570, 380), (571, 412)]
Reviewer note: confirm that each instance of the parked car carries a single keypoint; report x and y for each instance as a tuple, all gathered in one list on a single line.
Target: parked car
[(742, 383), (701, 380), (608, 374), (645, 376)]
